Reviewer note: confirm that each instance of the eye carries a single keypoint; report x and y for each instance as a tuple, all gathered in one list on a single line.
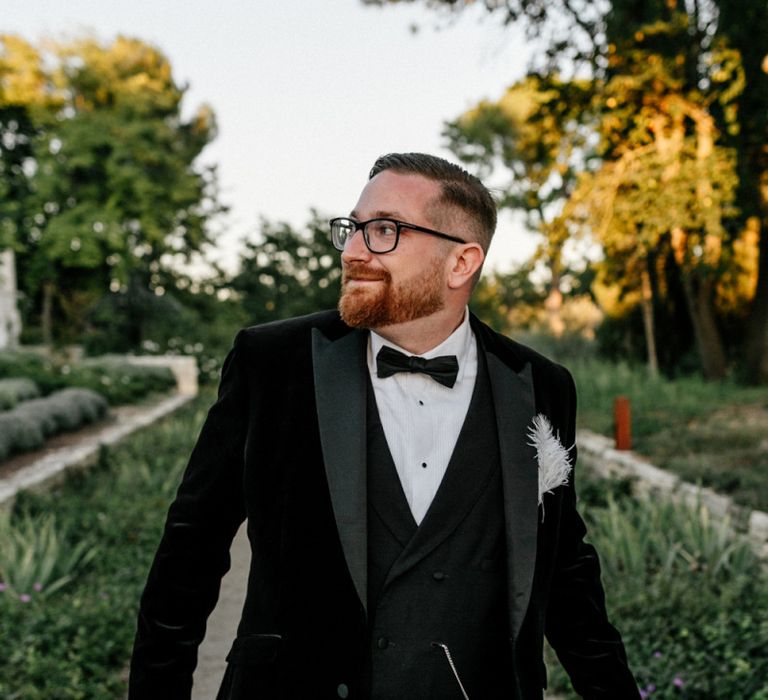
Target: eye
[(383, 228)]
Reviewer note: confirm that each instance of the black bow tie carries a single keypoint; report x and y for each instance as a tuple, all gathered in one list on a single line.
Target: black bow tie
[(443, 369)]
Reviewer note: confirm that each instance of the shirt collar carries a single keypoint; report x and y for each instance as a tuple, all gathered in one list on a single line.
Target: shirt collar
[(458, 343)]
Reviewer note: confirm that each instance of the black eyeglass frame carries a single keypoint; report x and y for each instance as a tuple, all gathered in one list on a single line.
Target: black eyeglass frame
[(399, 225)]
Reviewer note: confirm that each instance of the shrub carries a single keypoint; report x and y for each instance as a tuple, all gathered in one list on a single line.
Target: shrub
[(12, 391), (74, 643), (685, 595), (25, 427), (18, 434), (711, 433), (36, 559), (118, 381)]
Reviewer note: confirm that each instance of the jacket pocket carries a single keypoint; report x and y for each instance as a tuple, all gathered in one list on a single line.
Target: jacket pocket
[(255, 649)]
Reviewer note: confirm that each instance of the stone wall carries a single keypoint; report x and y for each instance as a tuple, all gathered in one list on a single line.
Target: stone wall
[(597, 453)]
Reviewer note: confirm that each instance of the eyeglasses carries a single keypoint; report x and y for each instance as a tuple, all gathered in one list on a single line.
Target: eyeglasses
[(380, 235)]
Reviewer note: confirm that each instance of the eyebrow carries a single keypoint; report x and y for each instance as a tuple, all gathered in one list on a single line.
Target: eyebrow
[(380, 214)]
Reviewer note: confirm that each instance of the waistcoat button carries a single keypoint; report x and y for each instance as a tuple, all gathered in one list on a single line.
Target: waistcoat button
[(382, 642), (342, 691), (438, 575)]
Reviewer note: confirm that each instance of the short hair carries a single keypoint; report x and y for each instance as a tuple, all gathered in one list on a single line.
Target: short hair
[(459, 188)]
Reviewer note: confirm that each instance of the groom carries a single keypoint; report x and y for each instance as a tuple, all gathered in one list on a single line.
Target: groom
[(385, 456)]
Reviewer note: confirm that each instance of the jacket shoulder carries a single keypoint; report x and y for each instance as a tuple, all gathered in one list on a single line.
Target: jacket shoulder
[(517, 355), (291, 331)]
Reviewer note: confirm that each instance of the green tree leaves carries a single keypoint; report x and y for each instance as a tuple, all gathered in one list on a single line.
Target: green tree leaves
[(102, 171)]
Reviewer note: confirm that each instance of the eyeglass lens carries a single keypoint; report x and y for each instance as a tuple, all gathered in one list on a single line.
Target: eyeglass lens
[(380, 234)]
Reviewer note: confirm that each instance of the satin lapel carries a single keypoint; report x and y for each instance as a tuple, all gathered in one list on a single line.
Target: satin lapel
[(340, 394), (514, 403)]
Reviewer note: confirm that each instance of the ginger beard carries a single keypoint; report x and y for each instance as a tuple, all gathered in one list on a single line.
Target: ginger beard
[(387, 303)]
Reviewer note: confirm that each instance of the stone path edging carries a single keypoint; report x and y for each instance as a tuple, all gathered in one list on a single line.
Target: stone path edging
[(597, 453), (51, 467)]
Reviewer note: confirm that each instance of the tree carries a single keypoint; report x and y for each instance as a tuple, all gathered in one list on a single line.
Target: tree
[(534, 140), (288, 273), (665, 181), (108, 193), (579, 35)]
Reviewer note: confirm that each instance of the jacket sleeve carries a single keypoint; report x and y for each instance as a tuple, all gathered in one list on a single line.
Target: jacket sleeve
[(193, 555), (588, 646)]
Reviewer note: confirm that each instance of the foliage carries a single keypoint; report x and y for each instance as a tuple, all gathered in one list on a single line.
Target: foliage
[(288, 273), (663, 195), (26, 426), (100, 169), (711, 433), (117, 380), (534, 141), (517, 302), (74, 643), (570, 33), (37, 559), (708, 645), (14, 390), (680, 101)]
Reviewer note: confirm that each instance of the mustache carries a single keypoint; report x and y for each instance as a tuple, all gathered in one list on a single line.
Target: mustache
[(360, 271)]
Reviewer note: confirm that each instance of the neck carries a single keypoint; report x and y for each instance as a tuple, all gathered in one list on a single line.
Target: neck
[(423, 334)]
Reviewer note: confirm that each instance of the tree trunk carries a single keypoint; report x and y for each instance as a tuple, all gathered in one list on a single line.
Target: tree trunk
[(46, 316), (698, 297), (756, 344), (646, 306)]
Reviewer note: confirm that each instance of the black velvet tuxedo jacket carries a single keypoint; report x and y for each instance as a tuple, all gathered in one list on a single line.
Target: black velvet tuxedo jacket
[(285, 447)]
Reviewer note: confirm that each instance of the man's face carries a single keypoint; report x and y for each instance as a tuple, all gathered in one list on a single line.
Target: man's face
[(385, 289)]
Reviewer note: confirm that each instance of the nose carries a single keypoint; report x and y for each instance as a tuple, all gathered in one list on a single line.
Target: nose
[(355, 249)]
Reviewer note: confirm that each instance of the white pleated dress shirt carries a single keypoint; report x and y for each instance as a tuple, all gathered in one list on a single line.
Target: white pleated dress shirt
[(421, 418)]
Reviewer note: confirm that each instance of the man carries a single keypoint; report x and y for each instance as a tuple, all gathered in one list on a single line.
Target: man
[(395, 462)]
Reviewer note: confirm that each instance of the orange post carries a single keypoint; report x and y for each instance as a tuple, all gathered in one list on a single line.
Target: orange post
[(622, 417)]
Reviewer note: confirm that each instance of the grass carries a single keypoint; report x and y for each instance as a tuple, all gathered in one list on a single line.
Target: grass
[(713, 433)]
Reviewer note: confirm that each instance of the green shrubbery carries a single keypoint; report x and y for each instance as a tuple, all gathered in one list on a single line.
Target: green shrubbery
[(103, 528), (12, 391), (118, 381), (685, 595), (27, 426), (77, 394), (37, 558), (707, 432)]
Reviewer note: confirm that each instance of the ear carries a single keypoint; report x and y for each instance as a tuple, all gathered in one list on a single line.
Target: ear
[(464, 261)]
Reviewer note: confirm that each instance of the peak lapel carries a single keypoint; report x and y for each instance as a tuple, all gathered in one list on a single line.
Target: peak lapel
[(513, 401), (340, 395)]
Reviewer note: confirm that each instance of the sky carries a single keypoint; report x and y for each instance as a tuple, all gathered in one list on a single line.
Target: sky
[(307, 94)]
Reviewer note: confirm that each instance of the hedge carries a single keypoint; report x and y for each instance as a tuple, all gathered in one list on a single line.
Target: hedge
[(13, 391), (27, 426), (118, 381)]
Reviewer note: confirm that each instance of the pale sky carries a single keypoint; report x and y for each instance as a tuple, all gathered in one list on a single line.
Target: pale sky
[(307, 94)]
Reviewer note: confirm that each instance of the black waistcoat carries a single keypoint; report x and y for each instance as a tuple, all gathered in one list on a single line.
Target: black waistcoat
[(439, 587)]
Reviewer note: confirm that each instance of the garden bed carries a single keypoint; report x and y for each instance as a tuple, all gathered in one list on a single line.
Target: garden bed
[(41, 397), (711, 433), (74, 641)]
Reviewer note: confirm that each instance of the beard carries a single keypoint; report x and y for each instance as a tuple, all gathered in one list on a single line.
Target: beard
[(389, 303)]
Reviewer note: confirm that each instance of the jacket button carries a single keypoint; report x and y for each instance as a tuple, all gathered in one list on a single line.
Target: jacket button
[(342, 691), (438, 575), (382, 642)]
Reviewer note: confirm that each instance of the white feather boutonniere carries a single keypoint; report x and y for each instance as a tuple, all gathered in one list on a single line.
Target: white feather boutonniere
[(552, 456)]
